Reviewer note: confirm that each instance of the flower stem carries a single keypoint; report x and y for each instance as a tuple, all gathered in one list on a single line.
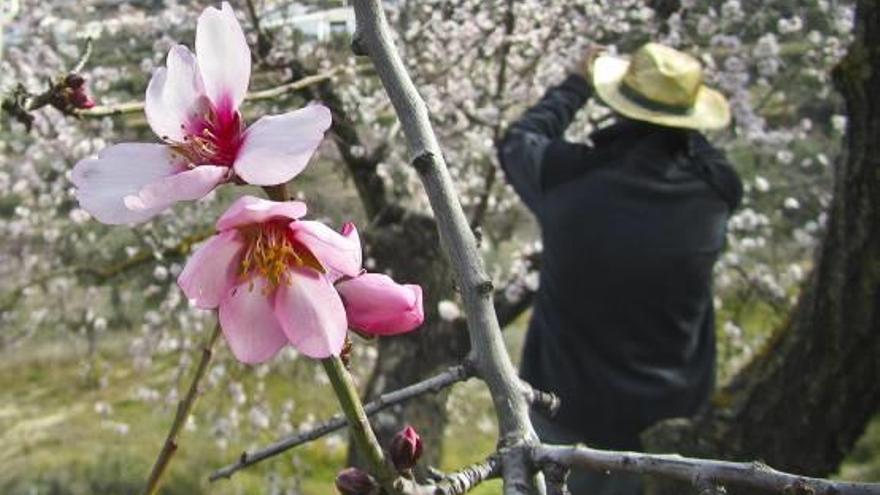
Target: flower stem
[(184, 407), (278, 192), (359, 426)]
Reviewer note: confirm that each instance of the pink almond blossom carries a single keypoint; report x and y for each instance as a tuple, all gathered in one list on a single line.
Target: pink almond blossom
[(272, 275), (192, 104)]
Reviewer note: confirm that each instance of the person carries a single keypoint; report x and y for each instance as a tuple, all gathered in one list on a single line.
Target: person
[(622, 328)]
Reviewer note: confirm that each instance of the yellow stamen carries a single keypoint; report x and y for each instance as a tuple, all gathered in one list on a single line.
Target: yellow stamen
[(270, 254)]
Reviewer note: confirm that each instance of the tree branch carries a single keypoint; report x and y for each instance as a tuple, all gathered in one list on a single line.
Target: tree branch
[(265, 94), (434, 384), (546, 402), (264, 39), (457, 483), (753, 475), (361, 165), (102, 275), (183, 411), (491, 358)]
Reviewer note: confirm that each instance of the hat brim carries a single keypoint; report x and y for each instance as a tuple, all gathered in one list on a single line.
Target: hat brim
[(710, 110)]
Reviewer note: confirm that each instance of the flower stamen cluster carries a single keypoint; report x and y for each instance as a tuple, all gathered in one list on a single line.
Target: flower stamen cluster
[(212, 138), (271, 253)]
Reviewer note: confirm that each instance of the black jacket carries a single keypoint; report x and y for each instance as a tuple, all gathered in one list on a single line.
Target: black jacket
[(623, 324)]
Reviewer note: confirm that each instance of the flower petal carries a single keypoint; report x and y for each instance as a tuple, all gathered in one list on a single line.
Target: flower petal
[(250, 209), (173, 94), (377, 305), (183, 186), (212, 269), (249, 325), (224, 57), (336, 252), (119, 171), (278, 147), (311, 314)]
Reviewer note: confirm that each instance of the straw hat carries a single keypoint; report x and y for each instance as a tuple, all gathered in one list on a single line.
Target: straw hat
[(660, 85)]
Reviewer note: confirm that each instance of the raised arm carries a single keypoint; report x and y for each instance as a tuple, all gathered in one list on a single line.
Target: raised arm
[(523, 147)]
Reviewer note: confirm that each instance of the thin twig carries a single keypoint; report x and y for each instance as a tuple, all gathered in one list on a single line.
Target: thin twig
[(546, 402), (184, 408), (753, 475), (84, 58), (265, 94), (434, 384)]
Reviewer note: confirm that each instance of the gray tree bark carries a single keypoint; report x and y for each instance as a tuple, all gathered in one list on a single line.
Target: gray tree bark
[(807, 397)]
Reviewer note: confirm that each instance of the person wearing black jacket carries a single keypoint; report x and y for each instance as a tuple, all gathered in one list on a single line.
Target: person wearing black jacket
[(622, 328)]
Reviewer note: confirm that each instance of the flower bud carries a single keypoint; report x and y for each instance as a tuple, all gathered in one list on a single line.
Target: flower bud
[(377, 305), (406, 448), (75, 92), (354, 481), (80, 100)]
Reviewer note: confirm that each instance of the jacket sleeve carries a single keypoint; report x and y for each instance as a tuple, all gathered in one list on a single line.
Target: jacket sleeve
[(524, 146), (716, 170)]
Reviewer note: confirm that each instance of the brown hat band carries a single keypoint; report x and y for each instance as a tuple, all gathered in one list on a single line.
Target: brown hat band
[(643, 101)]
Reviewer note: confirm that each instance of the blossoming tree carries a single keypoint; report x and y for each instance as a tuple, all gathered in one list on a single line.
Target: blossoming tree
[(302, 281)]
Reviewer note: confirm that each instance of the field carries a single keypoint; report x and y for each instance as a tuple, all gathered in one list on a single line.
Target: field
[(59, 437), (62, 436)]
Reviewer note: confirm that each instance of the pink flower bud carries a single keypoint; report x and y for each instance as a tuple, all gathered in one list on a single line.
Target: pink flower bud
[(406, 448), (353, 481), (79, 99), (75, 92), (377, 305)]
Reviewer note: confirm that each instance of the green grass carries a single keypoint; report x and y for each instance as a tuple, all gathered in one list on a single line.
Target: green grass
[(55, 443)]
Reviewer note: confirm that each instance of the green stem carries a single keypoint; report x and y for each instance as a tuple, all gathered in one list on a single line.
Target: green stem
[(359, 426)]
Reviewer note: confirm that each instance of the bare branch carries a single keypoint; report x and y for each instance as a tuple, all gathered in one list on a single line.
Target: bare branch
[(84, 58), (264, 39), (703, 472), (361, 165), (434, 384), (491, 358), (457, 483), (544, 401)]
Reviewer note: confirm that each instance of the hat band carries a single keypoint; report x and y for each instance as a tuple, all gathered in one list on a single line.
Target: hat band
[(656, 106)]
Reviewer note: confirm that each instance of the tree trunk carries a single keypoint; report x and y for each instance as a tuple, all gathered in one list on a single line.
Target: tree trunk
[(807, 397)]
